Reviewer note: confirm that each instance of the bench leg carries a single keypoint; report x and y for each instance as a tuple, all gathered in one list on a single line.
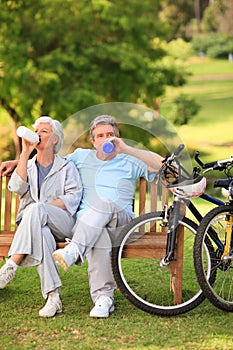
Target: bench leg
[(176, 268)]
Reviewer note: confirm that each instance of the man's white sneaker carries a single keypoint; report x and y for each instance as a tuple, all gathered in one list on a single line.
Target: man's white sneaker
[(7, 274), (103, 306), (52, 307), (67, 256)]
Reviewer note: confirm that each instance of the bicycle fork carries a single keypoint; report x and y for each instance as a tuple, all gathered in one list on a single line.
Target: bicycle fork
[(172, 216), (226, 256)]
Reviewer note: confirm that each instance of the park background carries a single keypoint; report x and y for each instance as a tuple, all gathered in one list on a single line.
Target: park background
[(60, 57)]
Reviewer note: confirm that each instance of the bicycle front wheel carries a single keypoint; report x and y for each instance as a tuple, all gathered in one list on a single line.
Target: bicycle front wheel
[(213, 228), (139, 276)]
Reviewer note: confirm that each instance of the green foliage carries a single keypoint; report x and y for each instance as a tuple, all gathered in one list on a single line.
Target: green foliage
[(218, 17), (176, 15), (6, 143), (217, 26), (183, 109), (214, 45), (180, 49), (59, 57), (222, 49)]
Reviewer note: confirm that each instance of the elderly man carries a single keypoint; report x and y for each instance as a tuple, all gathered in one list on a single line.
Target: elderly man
[(109, 182)]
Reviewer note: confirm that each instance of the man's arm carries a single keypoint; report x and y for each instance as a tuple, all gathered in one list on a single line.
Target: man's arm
[(152, 159)]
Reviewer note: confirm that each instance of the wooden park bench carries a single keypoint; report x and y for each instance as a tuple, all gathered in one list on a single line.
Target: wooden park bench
[(9, 203), (151, 244)]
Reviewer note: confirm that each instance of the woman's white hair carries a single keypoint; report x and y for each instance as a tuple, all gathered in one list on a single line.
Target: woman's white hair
[(56, 127)]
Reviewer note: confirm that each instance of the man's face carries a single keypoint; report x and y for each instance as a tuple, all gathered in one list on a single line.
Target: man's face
[(101, 133)]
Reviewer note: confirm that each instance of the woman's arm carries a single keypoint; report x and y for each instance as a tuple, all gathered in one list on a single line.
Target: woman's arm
[(27, 149), (72, 190)]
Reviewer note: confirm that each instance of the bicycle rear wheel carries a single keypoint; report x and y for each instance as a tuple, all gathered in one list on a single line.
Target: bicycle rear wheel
[(138, 273), (213, 228)]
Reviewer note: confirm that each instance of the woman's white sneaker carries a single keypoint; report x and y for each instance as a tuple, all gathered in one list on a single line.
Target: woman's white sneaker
[(7, 274), (52, 307), (103, 306)]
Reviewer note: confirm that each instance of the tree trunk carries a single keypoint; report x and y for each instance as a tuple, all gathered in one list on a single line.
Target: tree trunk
[(16, 139)]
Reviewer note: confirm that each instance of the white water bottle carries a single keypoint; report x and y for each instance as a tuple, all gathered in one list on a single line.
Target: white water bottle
[(27, 134)]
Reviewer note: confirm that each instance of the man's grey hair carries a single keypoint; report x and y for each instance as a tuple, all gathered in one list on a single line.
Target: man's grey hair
[(104, 119), (56, 127)]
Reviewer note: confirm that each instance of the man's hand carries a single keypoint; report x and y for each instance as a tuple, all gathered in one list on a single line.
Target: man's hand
[(6, 168)]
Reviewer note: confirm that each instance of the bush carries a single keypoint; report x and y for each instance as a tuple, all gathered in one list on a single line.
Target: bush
[(215, 45), (180, 49), (183, 109)]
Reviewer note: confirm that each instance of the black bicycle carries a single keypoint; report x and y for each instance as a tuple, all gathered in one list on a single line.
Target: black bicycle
[(162, 281), (216, 231)]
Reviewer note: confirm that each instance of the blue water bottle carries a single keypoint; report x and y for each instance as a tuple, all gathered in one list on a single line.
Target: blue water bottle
[(108, 147)]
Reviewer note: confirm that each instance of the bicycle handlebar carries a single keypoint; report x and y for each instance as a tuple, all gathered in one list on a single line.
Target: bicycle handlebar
[(169, 158), (223, 183), (216, 165), (172, 166), (178, 149), (172, 169)]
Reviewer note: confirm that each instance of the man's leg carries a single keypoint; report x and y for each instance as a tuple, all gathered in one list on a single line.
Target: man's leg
[(91, 239), (101, 280)]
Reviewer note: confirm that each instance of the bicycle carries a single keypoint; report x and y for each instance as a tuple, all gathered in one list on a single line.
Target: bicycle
[(216, 230), (163, 281)]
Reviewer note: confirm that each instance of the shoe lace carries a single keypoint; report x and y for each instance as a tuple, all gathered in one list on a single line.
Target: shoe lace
[(8, 273), (104, 299)]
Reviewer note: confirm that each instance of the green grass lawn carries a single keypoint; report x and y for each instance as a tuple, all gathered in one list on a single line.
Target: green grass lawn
[(210, 131), (206, 66), (204, 328)]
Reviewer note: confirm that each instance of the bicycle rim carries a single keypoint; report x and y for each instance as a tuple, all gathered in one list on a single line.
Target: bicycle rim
[(219, 293), (140, 277)]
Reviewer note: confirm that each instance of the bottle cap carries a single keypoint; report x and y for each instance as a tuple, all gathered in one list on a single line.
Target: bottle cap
[(108, 147)]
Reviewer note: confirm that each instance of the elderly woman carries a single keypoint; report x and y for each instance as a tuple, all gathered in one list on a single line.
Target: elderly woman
[(50, 190)]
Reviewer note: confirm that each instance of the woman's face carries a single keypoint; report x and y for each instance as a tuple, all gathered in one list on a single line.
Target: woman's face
[(47, 138)]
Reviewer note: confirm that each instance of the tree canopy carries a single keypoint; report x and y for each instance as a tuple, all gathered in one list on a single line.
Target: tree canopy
[(58, 56)]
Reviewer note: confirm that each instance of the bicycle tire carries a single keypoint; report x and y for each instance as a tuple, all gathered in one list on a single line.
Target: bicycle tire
[(220, 293), (144, 283)]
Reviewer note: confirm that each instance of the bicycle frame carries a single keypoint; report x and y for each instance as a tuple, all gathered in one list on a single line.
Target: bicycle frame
[(174, 209), (228, 241), (199, 217), (174, 220)]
